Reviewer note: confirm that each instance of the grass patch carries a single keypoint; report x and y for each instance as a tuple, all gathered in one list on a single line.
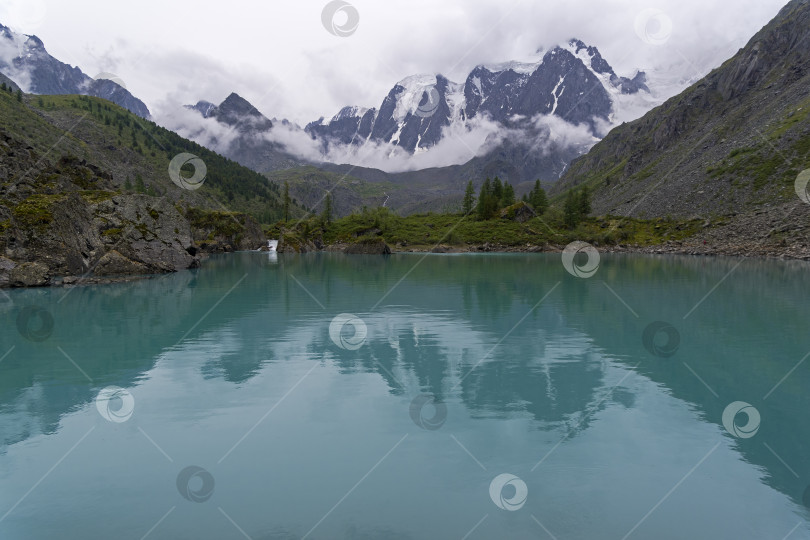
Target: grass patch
[(36, 210), (457, 230), (96, 196), (217, 223)]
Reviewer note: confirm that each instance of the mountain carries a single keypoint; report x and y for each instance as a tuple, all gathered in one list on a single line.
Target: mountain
[(572, 82), (730, 145), (531, 110), (236, 112), (87, 187), (25, 60), (9, 83), (247, 141)]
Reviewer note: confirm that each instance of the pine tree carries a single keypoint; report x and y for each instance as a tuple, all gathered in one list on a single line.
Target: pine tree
[(326, 216), (3, 87), (286, 201), (469, 199), (19, 95), (585, 202), (497, 189), (571, 210), (508, 197), (538, 198), (487, 202), (128, 185), (139, 184)]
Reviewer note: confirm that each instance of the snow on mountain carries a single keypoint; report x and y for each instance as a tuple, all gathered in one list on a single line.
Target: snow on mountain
[(572, 81)]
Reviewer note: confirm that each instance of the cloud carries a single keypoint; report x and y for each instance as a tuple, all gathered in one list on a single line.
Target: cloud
[(279, 56), (9, 50), (459, 144), (192, 125)]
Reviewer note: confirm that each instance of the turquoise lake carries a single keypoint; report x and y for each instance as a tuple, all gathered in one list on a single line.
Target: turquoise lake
[(411, 397)]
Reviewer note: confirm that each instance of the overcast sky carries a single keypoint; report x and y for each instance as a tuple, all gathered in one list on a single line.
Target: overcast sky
[(279, 55)]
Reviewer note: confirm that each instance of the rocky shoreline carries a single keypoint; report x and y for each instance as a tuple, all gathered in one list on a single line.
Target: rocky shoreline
[(670, 248), (174, 243)]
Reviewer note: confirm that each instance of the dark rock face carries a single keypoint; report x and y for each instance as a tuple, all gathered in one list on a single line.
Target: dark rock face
[(732, 143), (237, 112), (50, 76), (558, 89), (205, 108), (600, 65), (53, 227), (111, 91)]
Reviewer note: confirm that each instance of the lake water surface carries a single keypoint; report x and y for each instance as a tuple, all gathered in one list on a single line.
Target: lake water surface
[(470, 396)]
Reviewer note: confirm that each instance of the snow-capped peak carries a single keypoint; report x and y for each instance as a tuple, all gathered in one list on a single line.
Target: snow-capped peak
[(522, 68), (414, 88), (350, 112)]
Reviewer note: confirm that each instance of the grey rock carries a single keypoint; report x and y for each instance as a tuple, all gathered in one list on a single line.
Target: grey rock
[(114, 264), (30, 274)]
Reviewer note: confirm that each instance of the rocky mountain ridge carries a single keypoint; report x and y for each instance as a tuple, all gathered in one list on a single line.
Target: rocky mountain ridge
[(25, 60)]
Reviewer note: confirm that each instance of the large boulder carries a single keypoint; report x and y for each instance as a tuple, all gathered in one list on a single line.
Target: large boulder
[(520, 212), (368, 246), (291, 243), (115, 264), (30, 274), (145, 230), (216, 231)]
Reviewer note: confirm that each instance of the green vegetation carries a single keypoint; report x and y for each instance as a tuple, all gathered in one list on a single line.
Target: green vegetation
[(577, 206), (97, 196), (537, 198), (139, 151), (428, 230), (217, 223), (468, 202), (494, 196), (36, 210), (326, 215)]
